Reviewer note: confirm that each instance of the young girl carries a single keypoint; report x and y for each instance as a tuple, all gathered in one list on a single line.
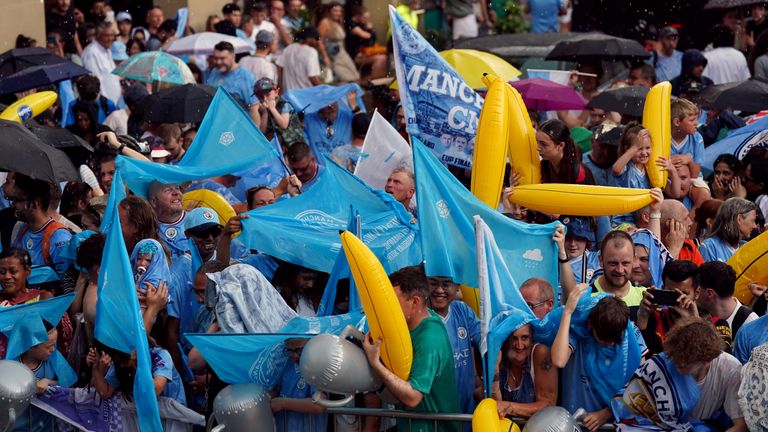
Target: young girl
[(152, 275), (299, 288)]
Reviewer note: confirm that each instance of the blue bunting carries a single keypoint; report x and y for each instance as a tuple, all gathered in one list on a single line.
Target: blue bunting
[(738, 143)]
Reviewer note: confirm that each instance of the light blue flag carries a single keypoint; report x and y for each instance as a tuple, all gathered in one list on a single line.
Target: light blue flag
[(119, 324), (313, 99), (66, 96), (502, 308), (446, 209), (738, 143), (304, 230), (269, 173), (440, 108), (182, 15), (259, 357), (340, 271)]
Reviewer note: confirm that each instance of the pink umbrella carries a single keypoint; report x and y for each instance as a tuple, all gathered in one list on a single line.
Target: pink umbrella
[(544, 95)]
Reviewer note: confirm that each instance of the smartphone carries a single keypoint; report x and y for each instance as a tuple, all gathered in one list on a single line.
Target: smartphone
[(664, 297)]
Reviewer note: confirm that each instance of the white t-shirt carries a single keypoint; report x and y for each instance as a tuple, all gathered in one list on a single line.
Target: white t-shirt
[(751, 317), (260, 67), (299, 62), (726, 64), (98, 60), (719, 389), (117, 120), (265, 25)]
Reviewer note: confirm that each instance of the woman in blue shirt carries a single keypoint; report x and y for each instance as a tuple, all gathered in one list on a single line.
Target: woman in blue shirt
[(733, 225)]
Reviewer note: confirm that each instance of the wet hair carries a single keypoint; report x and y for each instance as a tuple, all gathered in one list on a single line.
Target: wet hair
[(284, 279), (168, 132), (92, 111), (559, 133), (725, 226), (229, 8), (224, 46), (34, 190), (412, 281), (407, 172), (722, 36), (88, 87), (90, 250), (74, 191), (627, 135), (615, 236), (718, 276), (734, 164), (609, 319), (680, 270), (168, 26), (646, 71), (759, 173), (140, 214), (298, 151), (545, 288), (19, 254), (133, 42), (692, 340), (681, 108), (707, 210), (24, 41), (250, 193), (360, 124)]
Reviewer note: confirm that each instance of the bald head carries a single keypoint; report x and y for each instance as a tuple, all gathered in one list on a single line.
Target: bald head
[(673, 209)]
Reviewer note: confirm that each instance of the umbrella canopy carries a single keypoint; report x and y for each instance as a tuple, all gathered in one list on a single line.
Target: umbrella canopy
[(182, 104), (203, 43), (23, 152), (595, 47), (76, 148), (625, 100), (472, 64), (40, 76), (155, 66), (16, 60), (545, 95), (750, 95), (728, 4)]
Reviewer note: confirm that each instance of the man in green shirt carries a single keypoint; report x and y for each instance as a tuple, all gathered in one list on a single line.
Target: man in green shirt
[(431, 387), (617, 256)]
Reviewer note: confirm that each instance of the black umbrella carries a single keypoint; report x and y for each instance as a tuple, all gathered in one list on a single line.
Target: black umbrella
[(16, 60), (76, 148), (728, 4), (750, 95), (23, 152), (181, 104), (626, 100), (596, 47), (40, 76)]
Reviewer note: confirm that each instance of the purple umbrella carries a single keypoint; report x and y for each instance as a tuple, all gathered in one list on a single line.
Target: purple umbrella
[(544, 95)]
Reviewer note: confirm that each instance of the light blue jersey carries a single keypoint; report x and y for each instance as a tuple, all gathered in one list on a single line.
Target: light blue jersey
[(32, 242), (632, 177), (174, 238), (183, 304), (324, 138), (667, 68), (292, 385), (239, 83), (603, 176), (750, 336), (714, 249), (33, 418), (692, 145), (463, 329), (582, 274)]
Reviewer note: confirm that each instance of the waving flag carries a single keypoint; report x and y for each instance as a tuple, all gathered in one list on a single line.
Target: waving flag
[(440, 108), (383, 151), (269, 173), (502, 308), (304, 230), (341, 271), (259, 358), (738, 143), (446, 209), (313, 99), (118, 319)]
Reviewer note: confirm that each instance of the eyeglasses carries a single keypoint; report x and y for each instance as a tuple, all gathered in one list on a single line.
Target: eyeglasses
[(213, 232), (535, 305)]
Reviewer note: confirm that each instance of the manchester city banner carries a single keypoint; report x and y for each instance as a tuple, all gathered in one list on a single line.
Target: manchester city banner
[(440, 108)]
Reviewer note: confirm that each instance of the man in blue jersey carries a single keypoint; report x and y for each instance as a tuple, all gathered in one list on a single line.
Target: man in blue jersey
[(293, 407), (39, 234), (463, 329), (238, 81), (168, 204)]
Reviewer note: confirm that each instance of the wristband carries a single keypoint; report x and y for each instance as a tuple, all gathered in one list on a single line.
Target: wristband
[(655, 215), (356, 109), (561, 260), (120, 149)]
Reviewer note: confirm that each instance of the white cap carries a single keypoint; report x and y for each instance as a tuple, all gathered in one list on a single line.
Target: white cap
[(123, 16)]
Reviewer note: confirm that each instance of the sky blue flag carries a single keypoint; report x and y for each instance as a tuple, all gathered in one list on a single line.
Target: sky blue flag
[(268, 173), (313, 99), (182, 15), (304, 230), (24, 327), (66, 96), (440, 108), (502, 308), (227, 142), (118, 319), (340, 271), (446, 209), (738, 143), (259, 357)]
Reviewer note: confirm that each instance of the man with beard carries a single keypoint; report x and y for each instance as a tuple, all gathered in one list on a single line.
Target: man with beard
[(605, 142), (617, 257), (39, 234), (237, 80), (167, 203)]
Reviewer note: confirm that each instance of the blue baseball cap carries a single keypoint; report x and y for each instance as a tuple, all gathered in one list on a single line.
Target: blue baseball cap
[(201, 219), (119, 51), (579, 227)]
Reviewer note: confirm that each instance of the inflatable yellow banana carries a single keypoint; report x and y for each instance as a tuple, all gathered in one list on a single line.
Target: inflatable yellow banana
[(521, 143), (580, 200), (657, 119), (212, 200), (751, 265), (29, 106), (380, 304), (486, 418), (471, 296), (490, 155)]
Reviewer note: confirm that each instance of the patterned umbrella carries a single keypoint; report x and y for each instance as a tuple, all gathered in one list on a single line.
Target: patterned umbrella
[(155, 66)]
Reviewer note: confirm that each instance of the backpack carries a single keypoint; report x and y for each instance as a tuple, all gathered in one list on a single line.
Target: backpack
[(48, 231), (741, 315)]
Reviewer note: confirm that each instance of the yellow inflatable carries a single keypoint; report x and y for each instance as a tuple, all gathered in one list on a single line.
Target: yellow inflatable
[(751, 265), (381, 307), (212, 200), (471, 296), (486, 418), (580, 200), (656, 118), (29, 107), (489, 159), (521, 141)]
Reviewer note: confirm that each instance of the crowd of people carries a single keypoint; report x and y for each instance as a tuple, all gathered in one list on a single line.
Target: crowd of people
[(640, 295)]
